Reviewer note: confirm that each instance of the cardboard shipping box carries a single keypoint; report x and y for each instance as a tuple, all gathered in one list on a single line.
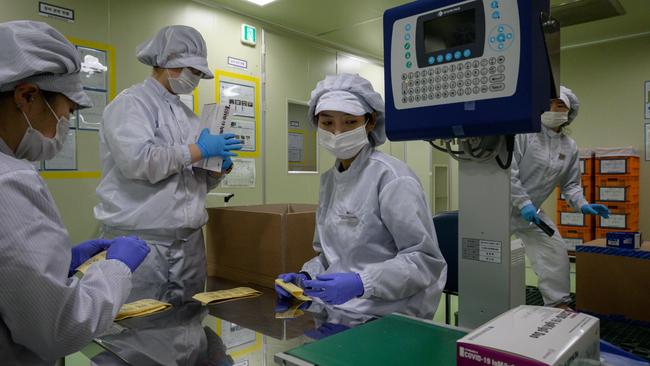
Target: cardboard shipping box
[(532, 336), (254, 244), (612, 281)]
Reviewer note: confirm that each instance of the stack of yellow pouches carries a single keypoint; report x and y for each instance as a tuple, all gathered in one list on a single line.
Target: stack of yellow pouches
[(298, 294), (146, 307), (218, 297), (141, 308), (134, 309)]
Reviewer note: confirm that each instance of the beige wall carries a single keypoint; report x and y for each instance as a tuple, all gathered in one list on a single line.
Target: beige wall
[(74, 197), (608, 78), (293, 68)]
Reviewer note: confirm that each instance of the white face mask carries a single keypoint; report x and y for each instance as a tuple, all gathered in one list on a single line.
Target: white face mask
[(344, 145), (185, 83), (555, 119), (36, 147)]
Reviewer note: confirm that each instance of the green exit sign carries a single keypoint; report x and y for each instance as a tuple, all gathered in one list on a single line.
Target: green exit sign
[(248, 35)]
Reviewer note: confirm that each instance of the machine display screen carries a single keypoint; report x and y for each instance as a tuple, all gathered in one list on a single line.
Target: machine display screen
[(450, 31)]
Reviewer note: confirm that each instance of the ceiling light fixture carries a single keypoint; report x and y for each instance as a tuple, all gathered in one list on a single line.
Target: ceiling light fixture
[(261, 2)]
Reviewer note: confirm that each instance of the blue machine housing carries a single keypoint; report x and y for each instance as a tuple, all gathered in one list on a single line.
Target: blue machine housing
[(519, 113)]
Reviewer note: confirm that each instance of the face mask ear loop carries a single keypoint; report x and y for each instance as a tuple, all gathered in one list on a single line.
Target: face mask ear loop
[(27, 119), (57, 118)]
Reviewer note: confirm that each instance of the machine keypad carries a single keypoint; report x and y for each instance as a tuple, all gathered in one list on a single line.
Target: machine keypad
[(450, 81)]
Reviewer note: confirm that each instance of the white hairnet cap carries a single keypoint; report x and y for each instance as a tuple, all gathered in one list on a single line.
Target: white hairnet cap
[(34, 52), (571, 101), (176, 46), (342, 101), (354, 85)]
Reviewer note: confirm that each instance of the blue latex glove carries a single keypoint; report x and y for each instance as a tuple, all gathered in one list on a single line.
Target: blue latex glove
[(227, 164), (335, 288), (529, 213), (295, 278), (595, 209), (86, 250), (217, 145), (128, 250), (326, 330)]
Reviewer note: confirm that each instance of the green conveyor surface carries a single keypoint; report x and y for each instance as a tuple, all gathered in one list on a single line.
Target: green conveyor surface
[(392, 340)]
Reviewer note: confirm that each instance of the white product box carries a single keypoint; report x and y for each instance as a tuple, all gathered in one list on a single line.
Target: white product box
[(532, 336), (218, 119)]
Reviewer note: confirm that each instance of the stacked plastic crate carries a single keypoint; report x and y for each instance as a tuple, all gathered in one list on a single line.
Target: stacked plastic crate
[(575, 227), (617, 186)]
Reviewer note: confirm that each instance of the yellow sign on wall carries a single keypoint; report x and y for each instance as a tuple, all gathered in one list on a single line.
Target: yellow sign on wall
[(244, 96)]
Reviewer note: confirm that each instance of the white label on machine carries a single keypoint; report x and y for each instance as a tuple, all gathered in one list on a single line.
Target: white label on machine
[(612, 194), (582, 166), (572, 218), (481, 250), (490, 251), (571, 243), (614, 221), (613, 166)]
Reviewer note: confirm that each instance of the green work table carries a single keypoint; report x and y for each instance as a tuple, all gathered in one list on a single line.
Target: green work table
[(392, 340)]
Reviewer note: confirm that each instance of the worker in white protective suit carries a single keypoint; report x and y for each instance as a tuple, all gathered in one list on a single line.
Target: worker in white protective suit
[(149, 141), (376, 243), (541, 162), (46, 311)]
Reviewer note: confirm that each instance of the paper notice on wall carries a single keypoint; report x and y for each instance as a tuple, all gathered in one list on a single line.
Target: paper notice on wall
[(66, 159), (244, 131), (647, 99), (92, 77), (296, 147), (242, 174), (240, 97), (647, 142), (91, 118)]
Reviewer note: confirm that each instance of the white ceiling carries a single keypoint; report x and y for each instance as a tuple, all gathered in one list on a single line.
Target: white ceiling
[(356, 25)]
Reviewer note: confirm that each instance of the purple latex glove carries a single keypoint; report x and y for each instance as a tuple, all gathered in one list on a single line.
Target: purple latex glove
[(326, 330), (86, 250), (335, 288), (295, 278), (128, 250), (595, 209)]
